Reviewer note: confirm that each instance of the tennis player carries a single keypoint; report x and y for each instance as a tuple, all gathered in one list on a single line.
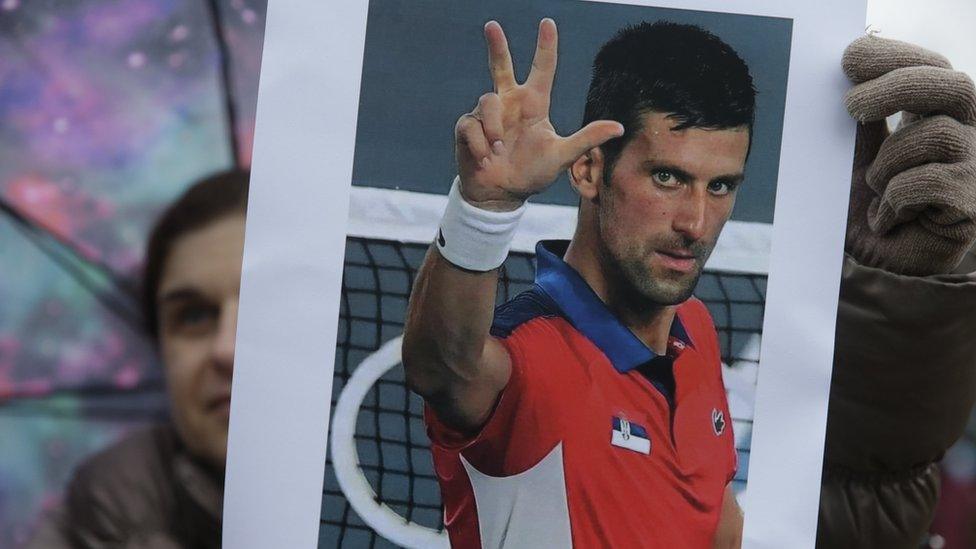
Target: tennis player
[(589, 410)]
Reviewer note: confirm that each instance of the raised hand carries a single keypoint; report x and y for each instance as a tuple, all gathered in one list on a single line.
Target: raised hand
[(913, 197), (506, 148)]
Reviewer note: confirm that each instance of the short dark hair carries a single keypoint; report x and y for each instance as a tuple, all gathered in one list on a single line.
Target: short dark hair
[(206, 201), (682, 70)]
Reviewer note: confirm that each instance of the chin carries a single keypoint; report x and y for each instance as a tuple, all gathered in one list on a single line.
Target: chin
[(215, 452), (219, 459), (669, 298), (650, 285), (662, 291), (218, 447), (207, 441)]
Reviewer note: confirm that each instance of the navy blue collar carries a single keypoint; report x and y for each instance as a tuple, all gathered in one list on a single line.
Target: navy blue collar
[(588, 314)]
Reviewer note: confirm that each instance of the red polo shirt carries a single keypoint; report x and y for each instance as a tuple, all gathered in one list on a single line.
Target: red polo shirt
[(595, 441)]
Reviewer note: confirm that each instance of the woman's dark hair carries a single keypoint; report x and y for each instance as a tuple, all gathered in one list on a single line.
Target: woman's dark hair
[(681, 70), (206, 201)]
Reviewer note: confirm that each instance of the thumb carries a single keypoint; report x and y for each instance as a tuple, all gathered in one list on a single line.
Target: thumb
[(592, 135)]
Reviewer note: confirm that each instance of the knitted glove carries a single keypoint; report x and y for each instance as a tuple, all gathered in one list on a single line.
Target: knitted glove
[(913, 192)]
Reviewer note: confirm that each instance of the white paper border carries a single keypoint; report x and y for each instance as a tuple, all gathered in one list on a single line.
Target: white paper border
[(296, 226), (293, 252)]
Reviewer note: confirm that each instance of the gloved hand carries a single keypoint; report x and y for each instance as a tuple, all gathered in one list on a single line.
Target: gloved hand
[(913, 195)]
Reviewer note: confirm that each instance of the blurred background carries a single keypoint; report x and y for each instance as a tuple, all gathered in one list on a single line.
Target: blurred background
[(108, 109)]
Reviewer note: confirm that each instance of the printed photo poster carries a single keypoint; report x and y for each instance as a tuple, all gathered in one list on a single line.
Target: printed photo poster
[(694, 309)]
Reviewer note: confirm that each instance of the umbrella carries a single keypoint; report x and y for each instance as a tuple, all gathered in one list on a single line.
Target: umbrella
[(108, 109)]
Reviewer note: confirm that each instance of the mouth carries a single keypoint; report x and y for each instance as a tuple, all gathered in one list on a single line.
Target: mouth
[(219, 404), (681, 260)]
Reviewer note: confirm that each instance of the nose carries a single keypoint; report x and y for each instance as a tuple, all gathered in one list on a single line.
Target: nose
[(689, 218), (222, 351)]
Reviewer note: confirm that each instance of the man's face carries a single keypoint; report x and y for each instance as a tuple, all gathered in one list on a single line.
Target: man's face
[(669, 195), (197, 303)]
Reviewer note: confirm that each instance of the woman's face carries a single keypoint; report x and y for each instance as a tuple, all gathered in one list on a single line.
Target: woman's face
[(197, 304)]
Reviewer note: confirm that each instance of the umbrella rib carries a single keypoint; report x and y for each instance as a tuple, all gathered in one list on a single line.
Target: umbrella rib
[(125, 308), (223, 60)]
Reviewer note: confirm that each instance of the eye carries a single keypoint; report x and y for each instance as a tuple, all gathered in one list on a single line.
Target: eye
[(193, 319), (194, 314), (664, 178), (722, 188)]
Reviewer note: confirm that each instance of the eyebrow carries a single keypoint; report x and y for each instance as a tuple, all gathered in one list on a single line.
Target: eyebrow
[(685, 177), (730, 179), (180, 294)]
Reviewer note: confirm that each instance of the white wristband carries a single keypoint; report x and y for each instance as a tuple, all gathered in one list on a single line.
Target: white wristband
[(473, 238)]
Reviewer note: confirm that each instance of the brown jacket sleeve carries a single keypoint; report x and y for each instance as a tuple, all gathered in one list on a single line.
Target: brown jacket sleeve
[(904, 382)]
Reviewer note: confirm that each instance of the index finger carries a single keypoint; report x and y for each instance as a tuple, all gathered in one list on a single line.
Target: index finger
[(499, 57), (544, 63), (871, 56), (921, 90)]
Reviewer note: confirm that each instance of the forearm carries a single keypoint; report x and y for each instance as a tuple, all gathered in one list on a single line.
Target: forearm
[(729, 533), (902, 389), (904, 378), (445, 341), (891, 511), (506, 151)]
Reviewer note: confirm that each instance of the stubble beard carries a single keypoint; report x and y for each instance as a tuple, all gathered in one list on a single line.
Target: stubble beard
[(641, 286), (630, 269)]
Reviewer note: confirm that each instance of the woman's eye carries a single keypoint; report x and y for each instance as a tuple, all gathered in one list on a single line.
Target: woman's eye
[(193, 319), (193, 315)]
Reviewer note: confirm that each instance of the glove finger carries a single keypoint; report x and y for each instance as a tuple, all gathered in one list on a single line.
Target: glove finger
[(870, 137), (870, 56), (939, 139), (940, 197), (921, 90)]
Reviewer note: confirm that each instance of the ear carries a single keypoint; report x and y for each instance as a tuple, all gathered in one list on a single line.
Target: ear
[(586, 174)]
